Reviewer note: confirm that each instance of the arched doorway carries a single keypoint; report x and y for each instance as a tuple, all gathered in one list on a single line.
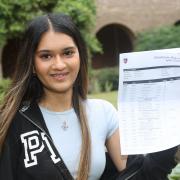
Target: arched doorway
[(9, 57), (177, 23), (115, 39)]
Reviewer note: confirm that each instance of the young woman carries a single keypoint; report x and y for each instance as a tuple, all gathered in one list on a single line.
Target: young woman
[(48, 127)]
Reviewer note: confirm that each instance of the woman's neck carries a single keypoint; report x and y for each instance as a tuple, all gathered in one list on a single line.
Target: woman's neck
[(56, 101)]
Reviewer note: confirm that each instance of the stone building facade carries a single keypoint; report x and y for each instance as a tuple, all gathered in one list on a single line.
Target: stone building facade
[(137, 15), (118, 21)]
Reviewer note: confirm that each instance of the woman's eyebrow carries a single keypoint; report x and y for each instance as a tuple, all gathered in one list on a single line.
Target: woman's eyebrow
[(63, 49), (69, 48), (43, 51)]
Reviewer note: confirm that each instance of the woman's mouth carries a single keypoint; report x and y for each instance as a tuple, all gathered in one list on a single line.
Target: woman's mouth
[(59, 76)]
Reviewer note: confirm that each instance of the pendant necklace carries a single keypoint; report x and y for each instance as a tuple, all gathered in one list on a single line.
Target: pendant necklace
[(63, 121), (64, 125)]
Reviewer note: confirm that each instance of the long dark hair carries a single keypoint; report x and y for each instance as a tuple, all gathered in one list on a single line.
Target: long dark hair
[(27, 87)]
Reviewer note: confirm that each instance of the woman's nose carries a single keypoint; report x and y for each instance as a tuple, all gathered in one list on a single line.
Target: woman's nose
[(58, 62)]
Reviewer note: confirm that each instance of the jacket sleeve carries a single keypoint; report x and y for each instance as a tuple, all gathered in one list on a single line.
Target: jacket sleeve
[(153, 166), (9, 155), (157, 166)]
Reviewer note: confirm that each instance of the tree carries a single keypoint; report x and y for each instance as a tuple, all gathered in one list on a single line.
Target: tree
[(14, 14), (158, 38)]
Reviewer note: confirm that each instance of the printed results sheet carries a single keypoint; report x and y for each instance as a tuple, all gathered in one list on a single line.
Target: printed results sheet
[(149, 101)]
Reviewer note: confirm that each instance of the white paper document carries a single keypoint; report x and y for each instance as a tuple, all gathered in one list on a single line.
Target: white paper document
[(149, 101)]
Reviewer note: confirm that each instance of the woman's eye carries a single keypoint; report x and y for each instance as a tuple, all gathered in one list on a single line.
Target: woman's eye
[(45, 56), (68, 53)]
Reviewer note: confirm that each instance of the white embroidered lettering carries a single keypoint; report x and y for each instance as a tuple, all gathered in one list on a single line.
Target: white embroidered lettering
[(33, 144), (32, 147), (54, 158)]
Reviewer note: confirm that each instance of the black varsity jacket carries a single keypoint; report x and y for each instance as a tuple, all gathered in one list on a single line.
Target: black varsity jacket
[(28, 152)]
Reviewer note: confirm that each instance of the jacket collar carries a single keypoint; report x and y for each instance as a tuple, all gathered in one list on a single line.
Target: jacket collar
[(33, 112)]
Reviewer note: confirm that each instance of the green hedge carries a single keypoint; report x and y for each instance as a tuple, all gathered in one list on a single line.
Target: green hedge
[(175, 175), (159, 38), (104, 80)]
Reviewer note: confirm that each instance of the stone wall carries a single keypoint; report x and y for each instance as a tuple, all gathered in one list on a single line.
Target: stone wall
[(137, 15), (125, 18)]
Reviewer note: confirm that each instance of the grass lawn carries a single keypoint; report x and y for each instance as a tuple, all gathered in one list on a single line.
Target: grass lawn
[(109, 96)]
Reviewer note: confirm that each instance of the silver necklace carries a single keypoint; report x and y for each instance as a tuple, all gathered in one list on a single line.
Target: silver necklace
[(64, 125), (63, 120)]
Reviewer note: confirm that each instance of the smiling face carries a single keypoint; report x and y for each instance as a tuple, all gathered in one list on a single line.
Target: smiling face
[(57, 62)]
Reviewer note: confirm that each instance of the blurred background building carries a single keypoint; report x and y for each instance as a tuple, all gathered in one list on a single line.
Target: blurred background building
[(117, 23)]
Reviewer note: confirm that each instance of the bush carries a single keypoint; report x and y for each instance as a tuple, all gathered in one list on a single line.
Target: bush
[(4, 84), (104, 80), (175, 175), (159, 38)]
